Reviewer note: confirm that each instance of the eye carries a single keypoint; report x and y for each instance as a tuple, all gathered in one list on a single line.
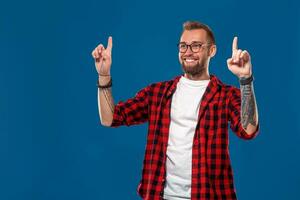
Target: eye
[(182, 46), (196, 45)]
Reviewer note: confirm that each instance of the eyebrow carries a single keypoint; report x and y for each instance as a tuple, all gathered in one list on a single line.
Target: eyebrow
[(192, 42)]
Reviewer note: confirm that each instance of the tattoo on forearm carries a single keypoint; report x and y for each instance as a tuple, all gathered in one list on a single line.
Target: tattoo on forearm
[(108, 98), (248, 106)]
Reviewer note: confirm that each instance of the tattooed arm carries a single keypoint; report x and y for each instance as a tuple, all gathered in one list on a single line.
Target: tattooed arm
[(240, 65), (249, 113)]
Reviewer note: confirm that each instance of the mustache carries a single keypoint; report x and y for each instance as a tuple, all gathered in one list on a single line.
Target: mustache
[(191, 57)]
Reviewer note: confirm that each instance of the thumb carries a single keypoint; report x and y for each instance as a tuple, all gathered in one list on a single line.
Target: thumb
[(229, 61)]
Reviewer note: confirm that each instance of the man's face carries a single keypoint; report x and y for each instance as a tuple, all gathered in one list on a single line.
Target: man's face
[(195, 59)]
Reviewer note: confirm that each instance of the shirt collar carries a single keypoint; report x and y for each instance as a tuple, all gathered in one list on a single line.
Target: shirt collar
[(214, 82)]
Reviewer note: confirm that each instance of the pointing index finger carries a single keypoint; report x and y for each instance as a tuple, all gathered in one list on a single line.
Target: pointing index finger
[(109, 43), (235, 44)]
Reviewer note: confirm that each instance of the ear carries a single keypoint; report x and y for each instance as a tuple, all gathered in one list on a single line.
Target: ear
[(212, 51)]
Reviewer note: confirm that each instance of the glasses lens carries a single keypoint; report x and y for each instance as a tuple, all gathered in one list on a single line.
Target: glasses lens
[(182, 47), (196, 47)]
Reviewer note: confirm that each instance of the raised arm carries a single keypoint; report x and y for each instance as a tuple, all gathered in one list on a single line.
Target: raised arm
[(240, 65), (103, 62)]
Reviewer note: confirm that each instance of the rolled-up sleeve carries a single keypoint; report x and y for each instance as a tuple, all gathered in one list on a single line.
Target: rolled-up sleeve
[(133, 111)]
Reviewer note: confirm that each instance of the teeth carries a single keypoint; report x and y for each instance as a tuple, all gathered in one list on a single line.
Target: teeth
[(189, 60)]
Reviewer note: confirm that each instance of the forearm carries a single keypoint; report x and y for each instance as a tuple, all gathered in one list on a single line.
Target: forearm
[(249, 112), (105, 102)]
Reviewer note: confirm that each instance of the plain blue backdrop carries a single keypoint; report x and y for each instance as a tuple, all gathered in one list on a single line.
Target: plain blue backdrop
[(52, 145)]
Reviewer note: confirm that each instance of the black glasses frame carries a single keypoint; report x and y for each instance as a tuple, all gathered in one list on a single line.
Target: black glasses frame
[(201, 45)]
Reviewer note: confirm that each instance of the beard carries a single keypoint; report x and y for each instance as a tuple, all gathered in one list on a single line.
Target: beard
[(196, 69)]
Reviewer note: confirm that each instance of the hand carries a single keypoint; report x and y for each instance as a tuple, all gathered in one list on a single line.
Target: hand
[(102, 58), (240, 62)]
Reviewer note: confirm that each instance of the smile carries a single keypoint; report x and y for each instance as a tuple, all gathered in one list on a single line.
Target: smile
[(188, 60)]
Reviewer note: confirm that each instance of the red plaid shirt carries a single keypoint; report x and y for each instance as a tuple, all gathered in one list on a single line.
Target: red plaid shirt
[(212, 176)]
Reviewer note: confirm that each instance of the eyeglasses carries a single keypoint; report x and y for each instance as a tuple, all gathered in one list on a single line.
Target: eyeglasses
[(195, 46)]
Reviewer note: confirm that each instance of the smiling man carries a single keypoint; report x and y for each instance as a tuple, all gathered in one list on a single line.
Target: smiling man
[(187, 153)]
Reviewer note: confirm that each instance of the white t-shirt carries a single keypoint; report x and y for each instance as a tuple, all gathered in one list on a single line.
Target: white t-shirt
[(184, 117)]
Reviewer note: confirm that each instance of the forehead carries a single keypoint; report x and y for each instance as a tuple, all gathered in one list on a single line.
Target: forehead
[(194, 35)]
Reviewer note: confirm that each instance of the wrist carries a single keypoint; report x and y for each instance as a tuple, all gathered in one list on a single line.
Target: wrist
[(103, 80), (103, 74), (246, 80), (105, 86)]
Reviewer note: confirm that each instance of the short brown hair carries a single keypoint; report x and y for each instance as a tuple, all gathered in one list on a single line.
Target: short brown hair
[(193, 25)]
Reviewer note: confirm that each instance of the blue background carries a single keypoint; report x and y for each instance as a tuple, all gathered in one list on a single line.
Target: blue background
[(51, 143)]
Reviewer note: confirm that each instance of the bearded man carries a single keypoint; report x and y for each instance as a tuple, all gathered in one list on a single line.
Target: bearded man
[(187, 154)]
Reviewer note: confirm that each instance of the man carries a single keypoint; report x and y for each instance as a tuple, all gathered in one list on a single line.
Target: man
[(187, 153)]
